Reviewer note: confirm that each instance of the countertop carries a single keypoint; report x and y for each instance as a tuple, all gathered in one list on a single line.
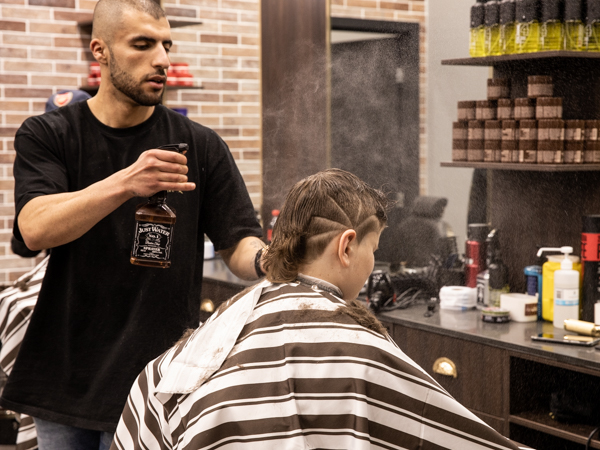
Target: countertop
[(514, 336)]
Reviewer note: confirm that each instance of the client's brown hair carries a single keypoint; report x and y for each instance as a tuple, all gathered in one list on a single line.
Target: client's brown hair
[(316, 209)]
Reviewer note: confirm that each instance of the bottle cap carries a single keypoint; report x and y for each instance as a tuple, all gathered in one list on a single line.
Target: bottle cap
[(552, 10), (477, 231), (492, 13), (477, 15), (507, 11), (573, 10), (527, 11), (593, 11)]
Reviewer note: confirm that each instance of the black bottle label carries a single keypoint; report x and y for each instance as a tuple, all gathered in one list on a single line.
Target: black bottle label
[(152, 241)]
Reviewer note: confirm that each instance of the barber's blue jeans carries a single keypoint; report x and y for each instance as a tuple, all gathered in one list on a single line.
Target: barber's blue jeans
[(54, 436)]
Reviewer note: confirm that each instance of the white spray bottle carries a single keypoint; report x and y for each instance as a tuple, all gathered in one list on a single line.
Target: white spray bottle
[(566, 288)]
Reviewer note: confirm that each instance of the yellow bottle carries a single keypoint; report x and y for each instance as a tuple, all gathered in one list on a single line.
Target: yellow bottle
[(574, 27), (477, 32), (552, 35), (492, 28), (508, 28), (592, 29), (528, 26)]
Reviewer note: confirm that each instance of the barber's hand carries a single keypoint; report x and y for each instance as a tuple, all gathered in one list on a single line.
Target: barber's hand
[(157, 170)]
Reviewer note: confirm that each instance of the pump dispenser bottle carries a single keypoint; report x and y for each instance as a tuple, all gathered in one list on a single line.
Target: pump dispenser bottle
[(592, 28), (477, 33), (552, 27), (508, 27), (574, 28), (566, 288), (492, 28), (528, 26)]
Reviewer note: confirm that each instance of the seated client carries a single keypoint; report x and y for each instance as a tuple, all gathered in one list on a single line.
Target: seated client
[(296, 362)]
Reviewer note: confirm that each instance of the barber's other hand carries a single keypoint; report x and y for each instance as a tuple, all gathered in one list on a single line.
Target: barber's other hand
[(157, 170)]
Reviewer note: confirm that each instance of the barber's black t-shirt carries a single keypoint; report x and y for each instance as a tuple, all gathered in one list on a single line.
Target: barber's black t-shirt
[(100, 319)]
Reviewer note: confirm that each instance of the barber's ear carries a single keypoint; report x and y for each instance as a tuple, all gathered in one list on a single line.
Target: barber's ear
[(347, 238), (99, 50)]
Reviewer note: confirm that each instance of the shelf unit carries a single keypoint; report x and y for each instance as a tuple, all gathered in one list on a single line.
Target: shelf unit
[(542, 205)]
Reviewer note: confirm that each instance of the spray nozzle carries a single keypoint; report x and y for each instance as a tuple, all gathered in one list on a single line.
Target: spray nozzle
[(566, 263)]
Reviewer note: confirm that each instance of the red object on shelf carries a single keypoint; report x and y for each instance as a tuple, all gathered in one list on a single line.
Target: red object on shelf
[(179, 75), (171, 77), (185, 79), (94, 76)]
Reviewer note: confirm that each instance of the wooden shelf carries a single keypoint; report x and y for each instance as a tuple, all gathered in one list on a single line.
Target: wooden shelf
[(175, 22), (502, 59), (541, 421), (525, 167)]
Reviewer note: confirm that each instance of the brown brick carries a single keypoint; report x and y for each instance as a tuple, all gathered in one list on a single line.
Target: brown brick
[(239, 29), (242, 143), (247, 40), (87, 4), (212, 3), (199, 97), (12, 2), (218, 15), (22, 66), (180, 12), (82, 68), (26, 13), (39, 106), (249, 6), (16, 119), (177, 34), (417, 7), (251, 178), (55, 3), (251, 132), (241, 75), (393, 5), (54, 80), (7, 158), (207, 121), (250, 64), (209, 86), (10, 145), (13, 53), (11, 25), (13, 79), (72, 15), (227, 132), (247, 98), (250, 109), (55, 28), (248, 17), (251, 154), (72, 42), (21, 39), (238, 51), (54, 55), (362, 3), (178, 49), (14, 105), (7, 132), (380, 14), (337, 2), (219, 39), (241, 121), (27, 93), (218, 62), (219, 109)]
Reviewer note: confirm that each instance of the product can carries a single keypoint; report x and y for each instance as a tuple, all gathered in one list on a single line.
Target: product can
[(524, 108), (549, 108), (506, 109), (486, 110), (459, 149), (498, 88), (591, 145), (460, 130), (509, 141), (475, 130), (574, 143), (528, 141), (466, 110), (539, 86)]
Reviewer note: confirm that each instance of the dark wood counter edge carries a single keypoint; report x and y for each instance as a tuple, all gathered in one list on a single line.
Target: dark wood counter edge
[(524, 167), (520, 351)]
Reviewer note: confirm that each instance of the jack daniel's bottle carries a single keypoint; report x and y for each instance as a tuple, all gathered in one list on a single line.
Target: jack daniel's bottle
[(154, 223)]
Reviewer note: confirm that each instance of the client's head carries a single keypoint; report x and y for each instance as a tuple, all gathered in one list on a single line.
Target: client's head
[(329, 227)]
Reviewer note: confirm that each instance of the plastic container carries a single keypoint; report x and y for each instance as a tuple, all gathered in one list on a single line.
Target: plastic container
[(561, 279), (522, 307)]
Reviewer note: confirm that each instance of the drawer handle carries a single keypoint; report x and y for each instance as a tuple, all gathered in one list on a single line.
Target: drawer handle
[(207, 305), (446, 367)]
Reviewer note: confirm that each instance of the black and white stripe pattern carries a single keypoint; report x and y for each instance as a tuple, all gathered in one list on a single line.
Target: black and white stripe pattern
[(302, 375), (16, 307)]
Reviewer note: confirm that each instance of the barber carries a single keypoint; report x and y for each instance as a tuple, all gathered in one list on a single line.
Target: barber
[(79, 174)]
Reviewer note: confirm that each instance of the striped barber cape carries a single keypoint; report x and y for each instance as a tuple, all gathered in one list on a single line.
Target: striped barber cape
[(301, 374), (16, 306)]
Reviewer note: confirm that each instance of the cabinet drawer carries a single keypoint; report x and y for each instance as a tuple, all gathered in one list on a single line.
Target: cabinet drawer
[(479, 384)]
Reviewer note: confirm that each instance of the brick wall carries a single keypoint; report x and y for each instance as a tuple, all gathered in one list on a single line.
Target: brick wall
[(43, 50)]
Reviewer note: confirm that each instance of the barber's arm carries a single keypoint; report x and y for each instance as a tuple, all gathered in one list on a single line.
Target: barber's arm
[(244, 260), (51, 220)]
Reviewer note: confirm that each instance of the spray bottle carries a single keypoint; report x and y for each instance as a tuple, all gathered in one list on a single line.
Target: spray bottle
[(566, 288)]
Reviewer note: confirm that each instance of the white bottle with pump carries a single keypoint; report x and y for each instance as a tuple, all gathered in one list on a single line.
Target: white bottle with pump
[(566, 289)]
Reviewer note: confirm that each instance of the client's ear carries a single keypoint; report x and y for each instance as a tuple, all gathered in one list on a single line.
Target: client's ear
[(347, 238)]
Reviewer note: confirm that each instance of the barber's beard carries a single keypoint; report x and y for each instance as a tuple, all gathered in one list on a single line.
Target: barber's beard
[(125, 83)]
